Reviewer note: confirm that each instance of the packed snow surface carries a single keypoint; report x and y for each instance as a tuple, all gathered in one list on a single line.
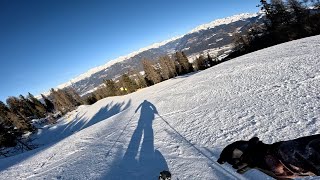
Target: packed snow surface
[(182, 124)]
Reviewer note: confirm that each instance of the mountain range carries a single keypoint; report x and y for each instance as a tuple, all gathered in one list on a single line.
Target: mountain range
[(215, 38)]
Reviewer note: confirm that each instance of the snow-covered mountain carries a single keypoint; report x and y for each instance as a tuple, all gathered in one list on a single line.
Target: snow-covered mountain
[(112, 62), (214, 37), (182, 124)]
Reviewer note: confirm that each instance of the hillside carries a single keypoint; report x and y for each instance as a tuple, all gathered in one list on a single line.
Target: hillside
[(214, 37), (182, 124)]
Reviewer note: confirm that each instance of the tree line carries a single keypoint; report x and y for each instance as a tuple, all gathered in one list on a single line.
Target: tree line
[(284, 21), (164, 68), (17, 115)]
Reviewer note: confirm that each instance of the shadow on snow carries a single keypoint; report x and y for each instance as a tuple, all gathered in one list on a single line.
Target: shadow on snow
[(146, 163), (105, 112), (57, 133)]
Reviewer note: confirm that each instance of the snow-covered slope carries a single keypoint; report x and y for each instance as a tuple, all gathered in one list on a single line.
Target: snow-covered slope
[(182, 124)]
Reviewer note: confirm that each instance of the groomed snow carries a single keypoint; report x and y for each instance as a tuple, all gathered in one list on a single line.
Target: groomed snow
[(182, 124)]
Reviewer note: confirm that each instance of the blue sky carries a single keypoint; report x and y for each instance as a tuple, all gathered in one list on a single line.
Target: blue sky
[(44, 43)]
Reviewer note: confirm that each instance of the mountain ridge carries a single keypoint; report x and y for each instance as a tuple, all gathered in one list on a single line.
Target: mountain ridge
[(85, 82)]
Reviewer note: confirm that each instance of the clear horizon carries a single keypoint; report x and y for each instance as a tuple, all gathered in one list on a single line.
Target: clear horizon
[(48, 43)]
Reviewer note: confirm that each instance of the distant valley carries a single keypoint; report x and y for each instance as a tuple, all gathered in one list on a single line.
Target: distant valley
[(213, 38)]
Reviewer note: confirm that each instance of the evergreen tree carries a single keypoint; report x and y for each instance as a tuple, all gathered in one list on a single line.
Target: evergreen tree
[(278, 20), (74, 96), (200, 63), (285, 21), (100, 93), (195, 64), (150, 72), (8, 134), (37, 105), (300, 18), (14, 117), (210, 60), (91, 99), (48, 104), (64, 100), (178, 68), (141, 82), (17, 107), (182, 59), (165, 72), (129, 84), (111, 87), (190, 69), (29, 108), (171, 66), (56, 100)]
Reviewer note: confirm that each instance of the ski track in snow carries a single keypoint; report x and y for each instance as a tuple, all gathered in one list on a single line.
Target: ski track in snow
[(182, 124)]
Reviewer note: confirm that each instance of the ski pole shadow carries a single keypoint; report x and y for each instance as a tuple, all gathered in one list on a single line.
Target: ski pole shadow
[(146, 163)]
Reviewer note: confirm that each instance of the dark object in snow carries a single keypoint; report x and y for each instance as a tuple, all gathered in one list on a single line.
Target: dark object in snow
[(281, 160), (165, 175)]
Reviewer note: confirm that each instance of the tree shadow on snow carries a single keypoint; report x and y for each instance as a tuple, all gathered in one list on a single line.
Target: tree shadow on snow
[(59, 132), (146, 163), (104, 112)]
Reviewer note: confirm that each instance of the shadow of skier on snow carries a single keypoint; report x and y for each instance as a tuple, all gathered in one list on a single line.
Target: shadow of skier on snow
[(148, 162)]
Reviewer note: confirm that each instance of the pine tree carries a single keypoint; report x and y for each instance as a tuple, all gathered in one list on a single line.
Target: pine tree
[(300, 18), (200, 63), (64, 100), (190, 69), (56, 100), (100, 93), (12, 127), (150, 72), (165, 72), (129, 84), (30, 108), (210, 60), (8, 134), (178, 68), (278, 19), (14, 117), (48, 104), (91, 99), (37, 104), (141, 82), (16, 107), (111, 87), (74, 96), (70, 97), (203, 62), (171, 65), (182, 59)]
